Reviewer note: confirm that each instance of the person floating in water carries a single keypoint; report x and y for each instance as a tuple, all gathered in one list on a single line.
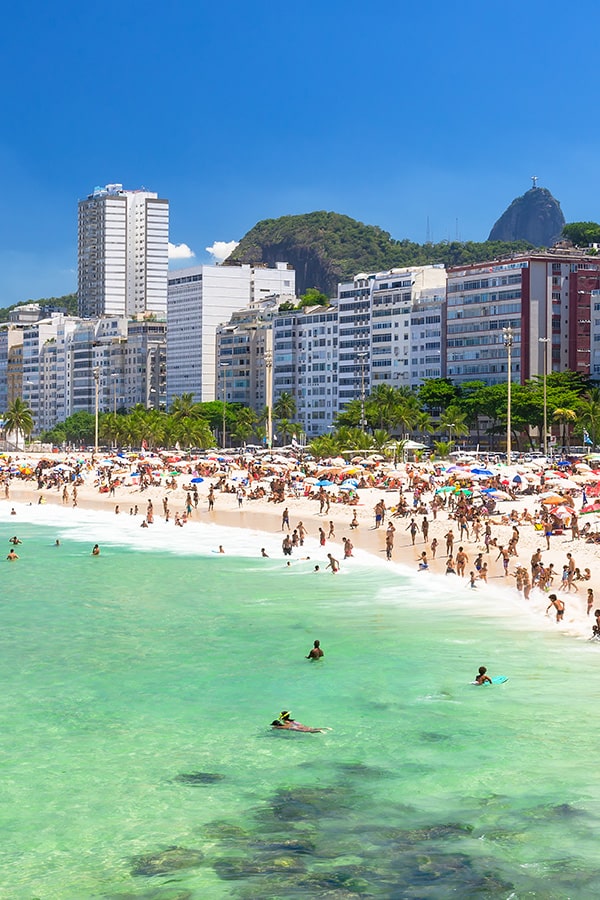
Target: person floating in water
[(482, 677), (96, 550), (316, 652), (285, 721)]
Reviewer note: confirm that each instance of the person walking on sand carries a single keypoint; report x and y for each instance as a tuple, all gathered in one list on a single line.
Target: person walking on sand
[(461, 561), (285, 519), (558, 605), (211, 498), (322, 537), (413, 528), (449, 542), (505, 558), (425, 528), (434, 546), (590, 600), (331, 531)]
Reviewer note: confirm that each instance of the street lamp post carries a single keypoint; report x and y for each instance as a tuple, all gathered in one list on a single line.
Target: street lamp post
[(545, 341), (224, 367), (508, 343), (362, 356), (96, 373), (451, 425), (269, 395)]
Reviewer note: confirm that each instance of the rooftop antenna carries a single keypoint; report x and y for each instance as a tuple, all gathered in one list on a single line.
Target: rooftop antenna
[(534, 178)]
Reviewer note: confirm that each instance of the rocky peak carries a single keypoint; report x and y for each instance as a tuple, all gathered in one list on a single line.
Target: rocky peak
[(535, 217)]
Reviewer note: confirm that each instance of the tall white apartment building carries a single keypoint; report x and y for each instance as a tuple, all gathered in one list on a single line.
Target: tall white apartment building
[(201, 298), (390, 329), (123, 242), (305, 364)]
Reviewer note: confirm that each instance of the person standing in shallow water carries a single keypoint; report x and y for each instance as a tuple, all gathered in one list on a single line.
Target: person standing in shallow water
[(316, 652)]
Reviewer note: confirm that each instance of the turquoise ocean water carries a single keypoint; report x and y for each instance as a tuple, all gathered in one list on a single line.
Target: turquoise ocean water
[(137, 691)]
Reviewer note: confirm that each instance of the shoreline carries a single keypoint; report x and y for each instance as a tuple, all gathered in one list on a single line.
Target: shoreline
[(265, 518)]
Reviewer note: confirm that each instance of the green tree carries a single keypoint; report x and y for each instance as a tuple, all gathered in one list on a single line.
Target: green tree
[(582, 233), (564, 417), (313, 297), (285, 406), (435, 394), (589, 415), (18, 419), (184, 407)]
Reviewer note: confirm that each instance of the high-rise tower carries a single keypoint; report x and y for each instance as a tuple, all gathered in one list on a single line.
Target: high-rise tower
[(123, 241)]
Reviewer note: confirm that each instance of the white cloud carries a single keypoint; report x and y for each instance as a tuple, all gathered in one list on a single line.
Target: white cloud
[(221, 249), (180, 251)]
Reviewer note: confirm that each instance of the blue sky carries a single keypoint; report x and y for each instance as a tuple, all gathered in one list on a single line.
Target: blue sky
[(242, 111)]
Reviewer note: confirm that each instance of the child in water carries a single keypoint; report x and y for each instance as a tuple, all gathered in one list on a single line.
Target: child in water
[(481, 677)]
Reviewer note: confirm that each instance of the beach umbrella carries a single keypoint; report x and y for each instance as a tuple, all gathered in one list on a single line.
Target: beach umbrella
[(590, 508), (553, 499), (349, 483), (477, 471), (197, 480), (323, 483), (563, 462)]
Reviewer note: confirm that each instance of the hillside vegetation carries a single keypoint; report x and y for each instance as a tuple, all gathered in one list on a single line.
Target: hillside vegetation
[(326, 247), (68, 302)]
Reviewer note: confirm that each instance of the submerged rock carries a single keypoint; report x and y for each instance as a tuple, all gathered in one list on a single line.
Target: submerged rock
[(360, 770), (219, 830), (290, 845), (166, 861), (308, 803), (231, 868), (154, 894), (198, 778)]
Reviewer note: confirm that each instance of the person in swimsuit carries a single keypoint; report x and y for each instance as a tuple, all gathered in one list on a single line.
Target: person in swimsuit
[(316, 652), (558, 605), (285, 721), (481, 677)]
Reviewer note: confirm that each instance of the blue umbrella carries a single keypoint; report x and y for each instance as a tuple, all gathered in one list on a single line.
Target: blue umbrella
[(481, 472), (518, 479), (350, 483), (196, 480), (564, 462), (323, 483)]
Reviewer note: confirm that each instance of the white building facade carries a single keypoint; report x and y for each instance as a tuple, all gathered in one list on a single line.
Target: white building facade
[(200, 299), (123, 244)]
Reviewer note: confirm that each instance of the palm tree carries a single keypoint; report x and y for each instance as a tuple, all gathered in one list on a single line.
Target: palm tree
[(565, 416), (185, 407), (453, 421), (18, 419), (589, 414), (285, 406), (193, 432)]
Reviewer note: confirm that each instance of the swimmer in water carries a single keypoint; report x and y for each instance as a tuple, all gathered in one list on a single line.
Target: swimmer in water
[(96, 550), (285, 721), (316, 652), (481, 677)]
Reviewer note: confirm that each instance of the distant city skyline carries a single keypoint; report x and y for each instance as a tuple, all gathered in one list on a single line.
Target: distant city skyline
[(424, 121)]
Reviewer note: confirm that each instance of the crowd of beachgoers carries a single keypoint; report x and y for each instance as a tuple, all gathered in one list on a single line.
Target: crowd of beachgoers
[(532, 525)]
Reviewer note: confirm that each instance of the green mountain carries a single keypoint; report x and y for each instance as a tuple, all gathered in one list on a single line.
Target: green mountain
[(326, 247)]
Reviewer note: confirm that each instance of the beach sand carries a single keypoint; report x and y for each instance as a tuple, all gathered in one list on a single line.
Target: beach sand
[(265, 516)]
